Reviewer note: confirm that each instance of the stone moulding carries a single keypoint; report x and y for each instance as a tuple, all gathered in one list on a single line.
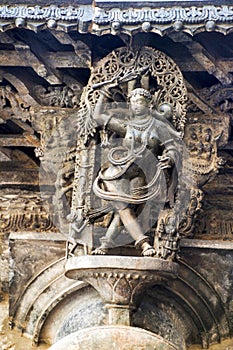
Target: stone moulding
[(97, 20), (39, 13), (189, 15), (120, 280)]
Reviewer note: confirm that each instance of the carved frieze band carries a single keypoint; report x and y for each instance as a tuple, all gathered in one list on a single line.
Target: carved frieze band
[(40, 13), (212, 17), (166, 15), (25, 212)]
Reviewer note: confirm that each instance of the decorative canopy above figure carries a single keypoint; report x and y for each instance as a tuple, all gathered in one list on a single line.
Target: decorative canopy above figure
[(128, 173)]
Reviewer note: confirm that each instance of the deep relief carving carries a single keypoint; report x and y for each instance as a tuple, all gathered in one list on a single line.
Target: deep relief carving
[(168, 232), (39, 13), (202, 136), (57, 155), (178, 18), (125, 65), (141, 144), (166, 15), (187, 224), (209, 18), (167, 236), (215, 224), (11, 102), (220, 97), (24, 212), (75, 168), (60, 96), (100, 200)]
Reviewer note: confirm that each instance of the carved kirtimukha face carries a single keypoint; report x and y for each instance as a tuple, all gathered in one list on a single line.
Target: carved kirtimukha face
[(139, 105)]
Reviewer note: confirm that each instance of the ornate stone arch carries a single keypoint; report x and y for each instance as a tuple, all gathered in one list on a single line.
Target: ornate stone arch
[(126, 65)]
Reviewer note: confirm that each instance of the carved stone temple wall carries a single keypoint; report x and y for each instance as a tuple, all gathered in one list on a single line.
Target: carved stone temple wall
[(80, 175)]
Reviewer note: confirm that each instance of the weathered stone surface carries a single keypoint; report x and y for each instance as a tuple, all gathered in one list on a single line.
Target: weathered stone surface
[(87, 311), (213, 261), (120, 281), (112, 337), (45, 64), (29, 254)]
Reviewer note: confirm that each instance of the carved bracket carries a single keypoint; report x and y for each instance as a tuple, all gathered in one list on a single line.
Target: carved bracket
[(120, 280)]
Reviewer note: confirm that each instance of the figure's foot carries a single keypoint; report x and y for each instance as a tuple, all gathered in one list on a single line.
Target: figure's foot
[(100, 251), (147, 249)]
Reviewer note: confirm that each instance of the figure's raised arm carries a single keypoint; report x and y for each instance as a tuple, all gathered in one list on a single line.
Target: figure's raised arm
[(99, 115), (108, 118)]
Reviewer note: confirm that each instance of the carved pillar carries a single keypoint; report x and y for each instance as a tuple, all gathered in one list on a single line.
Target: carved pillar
[(120, 281)]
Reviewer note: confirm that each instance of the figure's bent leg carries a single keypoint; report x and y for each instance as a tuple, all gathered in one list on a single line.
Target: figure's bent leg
[(130, 222), (107, 240)]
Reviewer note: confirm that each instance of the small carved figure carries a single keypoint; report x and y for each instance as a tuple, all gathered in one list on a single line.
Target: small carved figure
[(123, 180), (76, 226), (166, 236)]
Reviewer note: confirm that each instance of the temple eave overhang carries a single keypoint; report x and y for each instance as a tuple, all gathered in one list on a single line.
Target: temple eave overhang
[(110, 17)]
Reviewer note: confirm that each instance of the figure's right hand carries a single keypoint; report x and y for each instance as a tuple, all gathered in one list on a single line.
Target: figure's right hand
[(165, 162), (106, 85)]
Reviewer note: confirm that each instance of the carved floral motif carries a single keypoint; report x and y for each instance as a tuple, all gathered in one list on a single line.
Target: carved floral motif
[(126, 65)]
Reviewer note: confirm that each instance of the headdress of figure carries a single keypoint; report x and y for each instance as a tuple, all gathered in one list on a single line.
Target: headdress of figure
[(140, 92)]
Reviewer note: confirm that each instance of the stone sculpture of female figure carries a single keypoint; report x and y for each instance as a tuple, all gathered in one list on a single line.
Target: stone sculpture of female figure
[(122, 181)]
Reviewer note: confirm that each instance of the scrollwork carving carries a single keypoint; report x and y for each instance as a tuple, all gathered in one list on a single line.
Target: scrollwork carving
[(126, 65), (40, 13), (10, 101), (166, 15), (163, 19)]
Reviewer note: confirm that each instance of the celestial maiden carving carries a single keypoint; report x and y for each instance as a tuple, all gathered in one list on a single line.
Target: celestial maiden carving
[(128, 169)]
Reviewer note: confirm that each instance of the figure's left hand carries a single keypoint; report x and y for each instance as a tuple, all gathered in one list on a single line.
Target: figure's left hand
[(165, 162)]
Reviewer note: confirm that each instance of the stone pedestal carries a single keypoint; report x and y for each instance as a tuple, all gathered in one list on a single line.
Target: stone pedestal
[(120, 281)]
